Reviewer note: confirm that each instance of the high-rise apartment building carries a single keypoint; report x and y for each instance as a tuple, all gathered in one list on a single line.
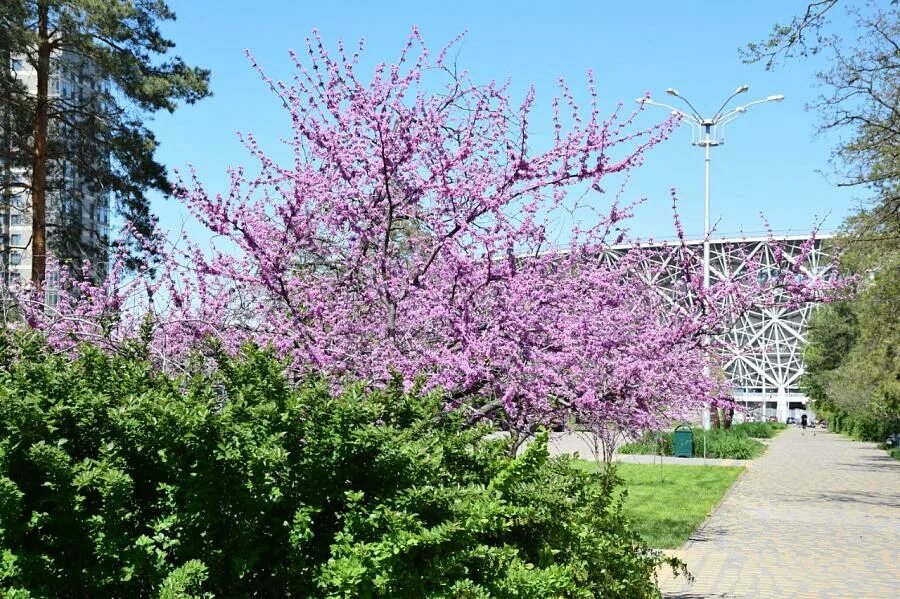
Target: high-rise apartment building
[(77, 212)]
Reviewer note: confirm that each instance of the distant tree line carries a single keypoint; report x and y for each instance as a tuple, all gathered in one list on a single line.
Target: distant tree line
[(853, 352)]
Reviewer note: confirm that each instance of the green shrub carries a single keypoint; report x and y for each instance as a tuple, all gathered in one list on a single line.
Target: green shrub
[(119, 482), (735, 444), (651, 443), (861, 427), (759, 430)]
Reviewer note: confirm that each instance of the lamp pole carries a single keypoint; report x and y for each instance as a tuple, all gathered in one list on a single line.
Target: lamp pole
[(708, 133)]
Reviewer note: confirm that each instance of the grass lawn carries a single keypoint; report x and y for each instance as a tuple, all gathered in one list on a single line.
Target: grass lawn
[(665, 512)]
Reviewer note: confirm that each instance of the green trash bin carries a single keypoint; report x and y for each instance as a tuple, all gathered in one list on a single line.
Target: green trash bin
[(683, 443)]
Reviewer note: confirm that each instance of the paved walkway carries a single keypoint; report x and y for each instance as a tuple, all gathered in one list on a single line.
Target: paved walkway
[(816, 516)]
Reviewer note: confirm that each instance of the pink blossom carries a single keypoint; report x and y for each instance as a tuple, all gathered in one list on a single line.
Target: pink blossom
[(408, 236)]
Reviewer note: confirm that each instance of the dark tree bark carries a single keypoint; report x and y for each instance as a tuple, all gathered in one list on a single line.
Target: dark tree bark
[(39, 167)]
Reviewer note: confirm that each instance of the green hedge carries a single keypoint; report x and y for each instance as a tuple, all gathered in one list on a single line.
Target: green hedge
[(119, 482), (736, 444), (760, 430), (859, 427)]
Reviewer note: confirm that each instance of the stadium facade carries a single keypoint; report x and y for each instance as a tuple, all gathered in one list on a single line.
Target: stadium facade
[(764, 362)]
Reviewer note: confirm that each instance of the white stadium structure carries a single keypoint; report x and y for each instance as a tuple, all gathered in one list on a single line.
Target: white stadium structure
[(766, 344)]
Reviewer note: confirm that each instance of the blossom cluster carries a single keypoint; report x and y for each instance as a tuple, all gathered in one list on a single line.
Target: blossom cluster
[(408, 236)]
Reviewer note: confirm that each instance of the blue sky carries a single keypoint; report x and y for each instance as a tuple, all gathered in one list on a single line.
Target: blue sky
[(772, 162)]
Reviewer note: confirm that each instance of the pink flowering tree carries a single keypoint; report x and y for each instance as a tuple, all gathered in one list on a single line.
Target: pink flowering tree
[(407, 236)]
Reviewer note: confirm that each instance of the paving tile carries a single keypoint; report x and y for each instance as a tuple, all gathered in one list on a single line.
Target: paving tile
[(816, 516)]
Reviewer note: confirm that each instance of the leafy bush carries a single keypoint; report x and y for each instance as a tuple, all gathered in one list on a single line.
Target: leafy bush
[(734, 444), (728, 445), (861, 427), (116, 481), (651, 443), (759, 430)]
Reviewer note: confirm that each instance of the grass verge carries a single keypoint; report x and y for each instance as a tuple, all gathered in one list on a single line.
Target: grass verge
[(666, 507)]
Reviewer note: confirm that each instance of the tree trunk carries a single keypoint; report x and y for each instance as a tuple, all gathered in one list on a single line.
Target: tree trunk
[(714, 420), (729, 418), (39, 165)]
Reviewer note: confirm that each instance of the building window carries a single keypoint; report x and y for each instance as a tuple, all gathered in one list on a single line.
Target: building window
[(16, 218), (72, 209), (15, 279), (16, 64), (52, 293), (15, 258), (15, 239)]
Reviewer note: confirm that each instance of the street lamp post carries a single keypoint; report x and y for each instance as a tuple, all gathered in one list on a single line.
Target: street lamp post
[(708, 133)]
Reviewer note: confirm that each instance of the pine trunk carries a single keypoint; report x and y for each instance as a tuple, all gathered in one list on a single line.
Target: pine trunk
[(39, 165)]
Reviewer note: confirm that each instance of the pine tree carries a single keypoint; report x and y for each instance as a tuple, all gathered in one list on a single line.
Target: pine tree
[(77, 130)]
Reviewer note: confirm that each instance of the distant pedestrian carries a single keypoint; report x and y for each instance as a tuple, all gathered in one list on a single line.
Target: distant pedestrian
[(803, 422)]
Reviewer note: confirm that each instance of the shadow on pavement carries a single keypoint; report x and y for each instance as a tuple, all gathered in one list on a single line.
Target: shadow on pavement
[(708, 533), (696, 596), (886, 498), (871, 464), (871, 498)]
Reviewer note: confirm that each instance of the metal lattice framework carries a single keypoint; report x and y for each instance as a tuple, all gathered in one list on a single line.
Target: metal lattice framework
[(766, 343)]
